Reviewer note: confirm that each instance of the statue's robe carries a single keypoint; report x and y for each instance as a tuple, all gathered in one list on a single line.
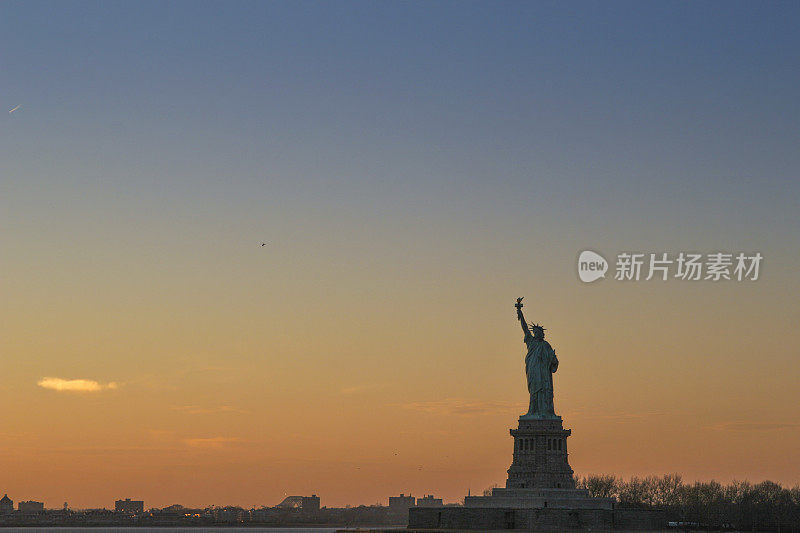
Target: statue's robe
[(540, 363)]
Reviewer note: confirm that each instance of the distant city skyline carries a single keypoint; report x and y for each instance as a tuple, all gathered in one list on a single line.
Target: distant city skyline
[(307, 503), (413, 168)]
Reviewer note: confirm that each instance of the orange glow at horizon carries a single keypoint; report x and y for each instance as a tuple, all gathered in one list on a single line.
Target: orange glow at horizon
[(323, 395)]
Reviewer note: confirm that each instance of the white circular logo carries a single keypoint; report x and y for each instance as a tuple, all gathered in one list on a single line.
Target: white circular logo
[(591, 266)]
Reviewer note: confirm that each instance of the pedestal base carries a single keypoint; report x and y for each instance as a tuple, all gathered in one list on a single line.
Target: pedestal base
[(497, 518), (540, 493), (540, 476), (539, 499)]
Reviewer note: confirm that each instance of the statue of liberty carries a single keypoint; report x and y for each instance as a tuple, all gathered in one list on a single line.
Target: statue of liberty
[(540, 364)]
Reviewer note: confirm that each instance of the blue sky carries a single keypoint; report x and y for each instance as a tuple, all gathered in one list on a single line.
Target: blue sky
[(692, 105)]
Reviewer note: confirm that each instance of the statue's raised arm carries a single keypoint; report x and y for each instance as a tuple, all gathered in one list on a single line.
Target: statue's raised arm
[(521, 317)]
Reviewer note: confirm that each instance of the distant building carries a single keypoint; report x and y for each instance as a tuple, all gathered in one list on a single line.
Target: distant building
[(401, 504), (129, 506), (229, 515), (306, 503), (429, 501), (178, 510), (6, 505), (30, 507), (264, 514), (310, 503)]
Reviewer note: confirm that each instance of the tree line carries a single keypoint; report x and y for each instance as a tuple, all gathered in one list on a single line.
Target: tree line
[(765, 506)]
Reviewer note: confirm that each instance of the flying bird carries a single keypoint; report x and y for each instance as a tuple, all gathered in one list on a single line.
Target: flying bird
[(11, 111)]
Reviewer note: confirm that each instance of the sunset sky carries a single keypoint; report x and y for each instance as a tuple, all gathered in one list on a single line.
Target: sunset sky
[(413, 168)]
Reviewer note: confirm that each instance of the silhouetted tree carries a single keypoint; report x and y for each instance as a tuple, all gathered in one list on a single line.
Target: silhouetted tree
[(599, 486), (766, 506)]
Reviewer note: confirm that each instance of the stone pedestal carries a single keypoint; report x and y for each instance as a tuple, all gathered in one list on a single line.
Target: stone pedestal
[(540, 476), (540, 455), (540, 493)]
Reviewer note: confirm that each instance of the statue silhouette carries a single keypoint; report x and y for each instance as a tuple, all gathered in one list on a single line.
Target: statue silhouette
[(540, 364)]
